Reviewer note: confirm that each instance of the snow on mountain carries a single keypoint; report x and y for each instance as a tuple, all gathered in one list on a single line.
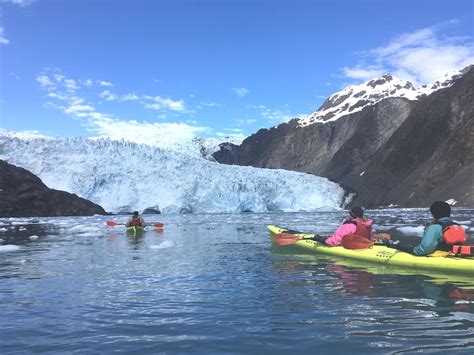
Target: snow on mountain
[(123, 176), (355, 97)]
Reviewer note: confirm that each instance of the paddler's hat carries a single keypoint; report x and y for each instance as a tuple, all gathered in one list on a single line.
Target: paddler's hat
[(356, 212), (135, 213)]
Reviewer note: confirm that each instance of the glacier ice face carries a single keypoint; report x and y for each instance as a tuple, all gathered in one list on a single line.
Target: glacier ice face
[(123, 176)]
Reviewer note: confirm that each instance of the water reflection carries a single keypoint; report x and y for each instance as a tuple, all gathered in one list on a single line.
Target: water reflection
[(450, 293)]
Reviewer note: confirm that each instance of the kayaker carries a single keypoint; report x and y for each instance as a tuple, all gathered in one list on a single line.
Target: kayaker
[(441, 234), (135, 221), (355, 224)]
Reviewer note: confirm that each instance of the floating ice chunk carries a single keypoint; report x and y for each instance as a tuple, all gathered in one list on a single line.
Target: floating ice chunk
[(165, 245), (91, 234), (3, 229), (451, 201), (34, 237), (412, 230), (9, 247), (81, 229)]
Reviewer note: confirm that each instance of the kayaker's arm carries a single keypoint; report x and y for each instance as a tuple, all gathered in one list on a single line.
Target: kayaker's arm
[(431, 238)]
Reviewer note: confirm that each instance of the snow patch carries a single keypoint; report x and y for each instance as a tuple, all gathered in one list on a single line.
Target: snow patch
[(355, 98), (451, 201)]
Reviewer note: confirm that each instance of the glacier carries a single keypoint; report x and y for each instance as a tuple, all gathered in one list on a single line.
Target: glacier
[(123, 176)]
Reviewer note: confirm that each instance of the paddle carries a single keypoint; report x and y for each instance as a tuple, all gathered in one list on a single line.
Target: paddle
[(287, 239), (156, 225), (351, 242)]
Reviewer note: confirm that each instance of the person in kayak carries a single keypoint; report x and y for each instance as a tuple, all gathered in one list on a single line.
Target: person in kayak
[(441, 234), (135, 221), (355, 224)]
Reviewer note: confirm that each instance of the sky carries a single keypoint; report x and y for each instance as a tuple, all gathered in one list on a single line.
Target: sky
[(151, 71)]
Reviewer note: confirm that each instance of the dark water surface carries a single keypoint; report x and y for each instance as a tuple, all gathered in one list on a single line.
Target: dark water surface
[(215, 284)]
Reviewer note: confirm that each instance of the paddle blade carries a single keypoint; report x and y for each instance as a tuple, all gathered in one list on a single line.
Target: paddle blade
[(158, 225), (112, 223), (354, 241), (285, 240)]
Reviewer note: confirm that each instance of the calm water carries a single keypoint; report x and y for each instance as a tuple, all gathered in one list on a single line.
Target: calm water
[(215, 284)]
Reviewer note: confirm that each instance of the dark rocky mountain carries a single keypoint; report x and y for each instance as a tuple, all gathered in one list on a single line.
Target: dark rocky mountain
[(396, 151), (23, 194)]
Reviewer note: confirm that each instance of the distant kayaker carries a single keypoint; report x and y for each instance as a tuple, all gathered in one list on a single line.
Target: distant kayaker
[(135, 221), (441, 234), (355, 224)]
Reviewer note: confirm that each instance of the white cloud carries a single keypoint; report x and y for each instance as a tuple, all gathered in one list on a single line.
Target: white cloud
[(246, 122), (145, 132), (59, 77), (58, 96), (360, 73), (160, 103), (87, 82), (209, 104), (70, 84), (422, 56), (108, 95), (18, 2), (15, 76), (274, 115), (129, 97), (106, 125), (44, 81), (78, 108), (104, 83), (3, 39), (241, 91)]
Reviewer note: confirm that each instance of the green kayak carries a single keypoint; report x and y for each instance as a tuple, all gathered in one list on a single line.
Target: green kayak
[(135, 231)]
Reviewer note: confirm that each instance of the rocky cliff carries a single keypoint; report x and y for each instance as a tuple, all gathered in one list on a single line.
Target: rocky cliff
[(395, 150), (23, 194)]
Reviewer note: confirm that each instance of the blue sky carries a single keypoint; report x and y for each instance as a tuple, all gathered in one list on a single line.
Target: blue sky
[(154, 70)]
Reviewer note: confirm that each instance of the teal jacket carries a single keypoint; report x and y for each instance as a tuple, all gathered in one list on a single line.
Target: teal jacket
[(432, 236)]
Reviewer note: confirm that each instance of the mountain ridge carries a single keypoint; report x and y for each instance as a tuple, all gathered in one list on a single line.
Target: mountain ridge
[(354, 98), (344, 149)]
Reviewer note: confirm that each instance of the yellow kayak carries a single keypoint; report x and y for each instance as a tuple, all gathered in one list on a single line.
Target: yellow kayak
[(438, 261)]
